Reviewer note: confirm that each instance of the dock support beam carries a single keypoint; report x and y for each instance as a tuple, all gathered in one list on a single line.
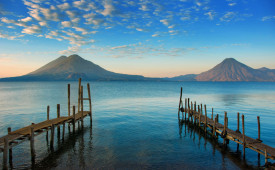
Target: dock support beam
[(82, 122), (32, 145), (5, 153), (90, 103), (10, 150), (74, 119), (69, 100), (79, 89), (243, 137), (58, 116), (52, 136)]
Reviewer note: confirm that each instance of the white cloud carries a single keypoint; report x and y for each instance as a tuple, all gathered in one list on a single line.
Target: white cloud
[(232, 4), (165, 22), (144, 7), (266, 18), (72, 14), (228, 16), (84, 31), (64, 6), (155, 35), (43, 23), (109, 8), (210, 15), (66, 23), (34, 29), (119, 47), (27, 19), (9, 37)]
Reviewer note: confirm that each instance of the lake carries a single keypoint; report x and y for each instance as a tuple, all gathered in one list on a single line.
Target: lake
[(135, 124)]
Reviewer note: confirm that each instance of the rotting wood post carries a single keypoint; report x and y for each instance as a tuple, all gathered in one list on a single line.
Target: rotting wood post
[(32, 144), (10, 150), (205, 118), (243, 137), (259, 128), (69, 100), (212, 114), (195, 106), (199, 120), (58, 116), (201, 109), (238, 122), (48, 112), (90, 103), (214, 127), (52, 136), (63, 132), (179, 101), (188, 108), (191, 111), (185, 109), (48, 118), (79, 86), (5, 153), (224, 126), (74, 119), (82, 122)]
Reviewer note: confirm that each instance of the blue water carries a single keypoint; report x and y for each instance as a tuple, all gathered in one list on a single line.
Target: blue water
[(135, 124)]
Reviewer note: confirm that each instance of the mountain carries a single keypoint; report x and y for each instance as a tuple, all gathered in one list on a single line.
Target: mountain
[(187, 77), (72, 68), (232, 70)]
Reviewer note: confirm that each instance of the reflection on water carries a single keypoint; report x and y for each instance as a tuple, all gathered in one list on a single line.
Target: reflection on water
[(135, 124)]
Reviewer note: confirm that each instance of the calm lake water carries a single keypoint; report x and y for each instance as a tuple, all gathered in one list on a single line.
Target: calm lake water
[(135, 124)]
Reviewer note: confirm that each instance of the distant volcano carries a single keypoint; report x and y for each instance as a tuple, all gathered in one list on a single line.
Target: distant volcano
[(72, 68), (232, 70)]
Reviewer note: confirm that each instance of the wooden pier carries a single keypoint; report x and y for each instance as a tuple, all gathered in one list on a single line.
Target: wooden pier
[(16, 137), (193, 113)]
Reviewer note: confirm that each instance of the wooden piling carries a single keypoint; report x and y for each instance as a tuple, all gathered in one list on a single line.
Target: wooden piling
[(90, 102), (259, 128), (201, 109), (10, 148), (63, 132), (179, 101), (238, 122), (58, 116), (79, 89), (5, 153), (185, 108), (188, 108), (32, 144), (205, 118), (214, 127), (212, 113), (243, 137), (69, 99), (224, 127), (52, 136), (48, 112), (217, 118), (82, 122), (74, 119)]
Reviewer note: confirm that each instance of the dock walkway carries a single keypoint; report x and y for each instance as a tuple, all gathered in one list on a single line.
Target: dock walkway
[(194, 114)]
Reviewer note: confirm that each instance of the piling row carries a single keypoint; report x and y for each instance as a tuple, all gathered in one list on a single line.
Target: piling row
[(16, 137), (214, 128)]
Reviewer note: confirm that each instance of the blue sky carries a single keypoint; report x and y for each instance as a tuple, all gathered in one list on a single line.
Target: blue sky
[(155, 38)]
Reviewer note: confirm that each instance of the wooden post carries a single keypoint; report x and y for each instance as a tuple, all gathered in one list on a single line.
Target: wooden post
[(82, 122), (259, 128), (188, 108), (52, 136), (69, 99), (79, 89), (199, 120), (195, 106), (201, 109), (58, 116), (179, 101), (32, 144), (191, 111), (212, 114), (217, 118), (5, 153), (73, 118), (205, 118), (238, 122), (63, 132), (214, 127), (185, 108), (90, 103), (48, 112), (224, 126), (243, 137), (10, 150)]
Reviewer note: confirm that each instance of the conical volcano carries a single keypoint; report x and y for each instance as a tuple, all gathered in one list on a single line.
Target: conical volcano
[(72, 68), (232, 70)]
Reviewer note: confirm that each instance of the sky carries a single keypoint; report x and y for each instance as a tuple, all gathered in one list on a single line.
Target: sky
[(153, 38)]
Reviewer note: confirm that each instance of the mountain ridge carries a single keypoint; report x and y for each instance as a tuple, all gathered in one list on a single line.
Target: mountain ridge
[(74, 67)]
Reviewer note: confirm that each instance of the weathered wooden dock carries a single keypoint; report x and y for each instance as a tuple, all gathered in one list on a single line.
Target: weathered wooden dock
[(18, 136), (191, 112)]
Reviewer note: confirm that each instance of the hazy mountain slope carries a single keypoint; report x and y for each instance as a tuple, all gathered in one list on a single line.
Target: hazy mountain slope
[(232, 70), (187, 77)]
